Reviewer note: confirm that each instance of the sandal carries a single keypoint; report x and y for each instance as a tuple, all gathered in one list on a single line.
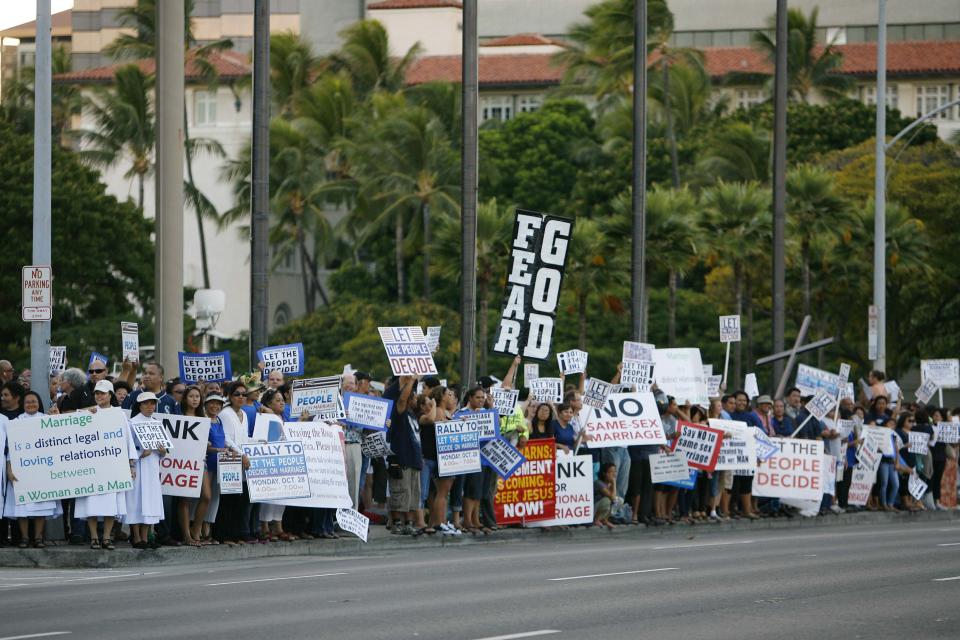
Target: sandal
[(95, 544), (22, 544), (107, 544), (38, 543)]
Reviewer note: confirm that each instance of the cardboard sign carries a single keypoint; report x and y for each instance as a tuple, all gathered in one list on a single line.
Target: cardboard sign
[(821, 404), (407, 351), (796, 472), (844, 376), (130, 337), (286, 358), (501, 456), (573, 491), (375, 445), (277, 471), (68, 456), (530, 373), (366, 412), (916, 486), (58, 360), (458, 448), (573, 361), (537, 260), (750, 385), (668, 468), (229, 473), (947, 432), (729, 328), (810, 380), (637, 351), (320, 397), (326, 471), (208, 367), (486, 421), (919, 443), (679, 373), (946, 373), (529, 495), (433, 339), (151, 435), (637, 372), (861, 485), (354, 522), (547, 390), (504, 400), (926, 391), (739, 451), (626, 419), (596, 392), (698, 445), (713, 385)]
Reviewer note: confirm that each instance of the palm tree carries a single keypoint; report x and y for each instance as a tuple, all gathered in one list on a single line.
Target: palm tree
[(494, 233), (293, 66), (735, 152), (124, 123), (66, 99), (809, 66), (365, 56), (738, 214)]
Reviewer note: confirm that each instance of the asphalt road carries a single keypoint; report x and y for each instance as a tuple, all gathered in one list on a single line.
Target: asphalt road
[(889, 581)]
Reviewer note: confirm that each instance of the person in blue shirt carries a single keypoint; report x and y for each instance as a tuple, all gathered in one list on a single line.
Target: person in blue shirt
[(742, 412), (152, 381), (782, 424), (728, 405), (405, 463), (563, 431)]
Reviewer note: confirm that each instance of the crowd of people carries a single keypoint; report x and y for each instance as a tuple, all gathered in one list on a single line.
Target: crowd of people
[(404, 490)]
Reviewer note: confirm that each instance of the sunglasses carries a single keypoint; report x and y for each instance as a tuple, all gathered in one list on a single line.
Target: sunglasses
[(96, 370), (238, 394)]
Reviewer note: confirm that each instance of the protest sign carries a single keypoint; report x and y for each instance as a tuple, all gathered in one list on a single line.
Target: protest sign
[(637, 372), (699, 445), (596, 392), (861, 485), (267, 428), (689, 483), (729, 328), (796, 472), (537, 260), (286, 358), (625, 419), (320, 397), (881, 436), (819, 405), (713, 386), (573, 361), (407, 351), (433, 339), (485, 421), (637, 351), (375, 445), (530, 373), (151, 435), (501, 456), (278, 470), (766, 448), (323, 451), (530, 493), (504, 400), (843, 377), (707, 370), (739, 450), (679, 373), (916, 486), (868, 455), (229, 473), (353, 521), (458, 448), (829, 474), (945, 372), (68, 456), (208, 367), (845, 428), (573, 491), (919, 443), (926, 391), (98, 357), (668, 468), (750, 386), (367, 412), (547, 390), (947, 432), (810, 380), (130, 339), (58, 360)]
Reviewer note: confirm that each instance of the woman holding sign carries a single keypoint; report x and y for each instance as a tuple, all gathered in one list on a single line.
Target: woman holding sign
[(107, 506), (191, 404), (145, 500)]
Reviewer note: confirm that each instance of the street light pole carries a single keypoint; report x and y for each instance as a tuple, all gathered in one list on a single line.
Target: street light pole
[(780, 186), (260, 183), (42, 167), (880, 192), (639, 199), (468, 195)]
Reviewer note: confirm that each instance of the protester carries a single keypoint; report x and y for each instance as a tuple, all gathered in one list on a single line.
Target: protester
[(216, 444), (11, 400), (145, 500), (191, 511), (406, 462), (6, 372), (473, 482), (604, 495), (152, 382), (271, 515), (234, 512)]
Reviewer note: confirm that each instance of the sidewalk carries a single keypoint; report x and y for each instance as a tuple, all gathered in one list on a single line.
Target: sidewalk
[(64, 556)]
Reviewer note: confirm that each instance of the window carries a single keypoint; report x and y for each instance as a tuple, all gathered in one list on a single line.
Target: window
[(931, 96), (282, 315), (529, 104), (205, 107), (746, 98), (870, 96), (496, 108)]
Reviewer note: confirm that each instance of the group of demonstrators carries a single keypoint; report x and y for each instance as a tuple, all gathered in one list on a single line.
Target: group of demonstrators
[(266, 458)]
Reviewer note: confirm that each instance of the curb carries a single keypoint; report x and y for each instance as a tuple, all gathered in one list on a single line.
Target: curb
[(75, 557)]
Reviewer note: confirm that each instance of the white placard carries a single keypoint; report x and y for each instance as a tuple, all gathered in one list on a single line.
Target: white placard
[(407, 351), (320, 397), (531, 372), (926, 391), (947, 432), (668, 468), (354, 522), (596, 392), (433, 339), (574, 491), (501, 456), (738, 452), (919, 443), (844, 376), (713, 385), (367, 412), (916, 486), (829, 474), (945, 372), (821, 404), (638, 373), (181, 470), (637, 351), (750, 386), (626, 419), (130, 336), (679, 373), (861, 485), (151, 435), (729, 328), (504, 400), (229, 473), (573, 361), (796, 472), (458, 448), (547, 390), (375, 445), (58, 360), (323, 450)]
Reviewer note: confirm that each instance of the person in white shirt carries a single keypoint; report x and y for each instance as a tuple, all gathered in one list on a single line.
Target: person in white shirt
[(145, 500)]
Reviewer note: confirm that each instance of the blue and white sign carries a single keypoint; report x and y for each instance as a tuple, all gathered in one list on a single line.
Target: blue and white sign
[(502, 457), (320, 397), (689, 483), (130, 340), (278, 470), (458, 448), (208, 367), (97, 357), (367, 412), (287, 359), (766, 449), (486, 421)]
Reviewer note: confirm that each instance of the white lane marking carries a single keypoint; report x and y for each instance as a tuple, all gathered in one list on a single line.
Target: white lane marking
[(949, 544), (58, 581), (526, 634), (38, 635), (703, 544), (618, 573), (316, 575), (935, 580)]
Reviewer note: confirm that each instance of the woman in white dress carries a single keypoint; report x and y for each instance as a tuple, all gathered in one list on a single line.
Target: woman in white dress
[(271, 515), (145, 500), (113, 505), (36, 512)]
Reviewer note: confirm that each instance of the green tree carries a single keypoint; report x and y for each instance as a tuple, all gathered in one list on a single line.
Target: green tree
[(365, 57), (65, 100), (293, 67), (736, 151)]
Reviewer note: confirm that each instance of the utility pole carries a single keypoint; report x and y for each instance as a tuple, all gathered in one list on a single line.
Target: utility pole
[(168, 300), (780, 186), (468, 195), (880, 192), (260, 227), (42, 167), (639, 200)]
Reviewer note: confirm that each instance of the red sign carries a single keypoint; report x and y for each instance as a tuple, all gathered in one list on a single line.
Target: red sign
[(699, 444), (530, 493)]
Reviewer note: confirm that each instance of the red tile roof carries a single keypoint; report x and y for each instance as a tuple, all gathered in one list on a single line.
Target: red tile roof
[(415, 4), (500, 70), (520, 40), (229, 65)]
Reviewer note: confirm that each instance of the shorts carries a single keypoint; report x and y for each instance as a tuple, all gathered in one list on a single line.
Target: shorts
[(405, 491), (473, 486), (726, 480), (743, 484)]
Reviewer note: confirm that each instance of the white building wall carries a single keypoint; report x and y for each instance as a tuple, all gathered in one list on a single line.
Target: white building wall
[(436, 29)]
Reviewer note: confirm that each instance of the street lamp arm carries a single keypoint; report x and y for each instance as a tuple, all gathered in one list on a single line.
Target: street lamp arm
[(920, 120)]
